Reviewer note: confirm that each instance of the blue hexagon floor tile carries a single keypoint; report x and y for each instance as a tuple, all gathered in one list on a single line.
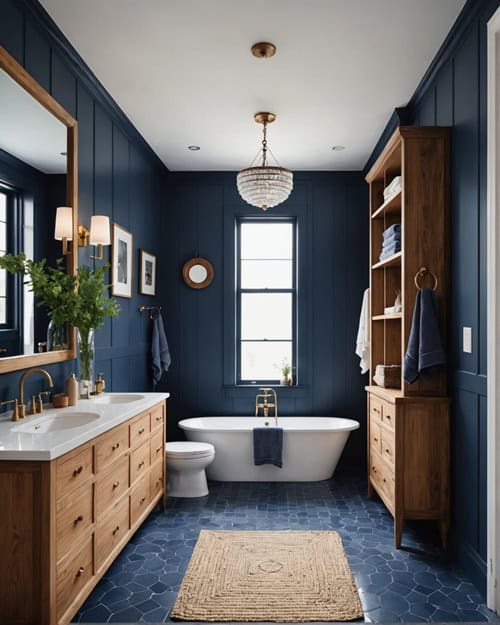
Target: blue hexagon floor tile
[(414, 584)]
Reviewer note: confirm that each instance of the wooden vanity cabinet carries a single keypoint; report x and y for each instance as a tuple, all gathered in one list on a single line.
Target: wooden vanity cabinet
[(63, 522)]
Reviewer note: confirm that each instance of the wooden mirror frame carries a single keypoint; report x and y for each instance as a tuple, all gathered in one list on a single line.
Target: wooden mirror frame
[(204, 263), (30, 85)]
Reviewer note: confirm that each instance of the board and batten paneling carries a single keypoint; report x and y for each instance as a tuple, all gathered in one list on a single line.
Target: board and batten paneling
[(330, 209), (118, 176)]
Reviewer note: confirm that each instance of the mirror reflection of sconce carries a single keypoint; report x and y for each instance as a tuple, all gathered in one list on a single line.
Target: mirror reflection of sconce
[(98, 235)]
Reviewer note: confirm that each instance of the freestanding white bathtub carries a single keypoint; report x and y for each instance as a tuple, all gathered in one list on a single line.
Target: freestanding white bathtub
[(312, 447)]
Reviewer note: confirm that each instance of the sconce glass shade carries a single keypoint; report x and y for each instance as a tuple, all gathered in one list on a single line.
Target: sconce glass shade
[(64, 223), (99, 230)]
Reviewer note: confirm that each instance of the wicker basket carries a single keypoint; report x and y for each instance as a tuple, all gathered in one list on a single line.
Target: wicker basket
[(388, 376)]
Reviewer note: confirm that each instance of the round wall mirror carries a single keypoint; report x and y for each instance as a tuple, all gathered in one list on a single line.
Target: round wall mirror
[(198, 273)]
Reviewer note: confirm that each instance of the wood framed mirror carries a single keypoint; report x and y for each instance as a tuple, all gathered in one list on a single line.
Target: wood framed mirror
[(198, 273), (38, 172)]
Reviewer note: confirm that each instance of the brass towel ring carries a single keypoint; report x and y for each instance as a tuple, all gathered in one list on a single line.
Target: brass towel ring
[(421, 274)]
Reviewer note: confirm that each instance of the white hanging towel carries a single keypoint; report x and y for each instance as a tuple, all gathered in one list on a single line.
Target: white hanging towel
[(363, 338)]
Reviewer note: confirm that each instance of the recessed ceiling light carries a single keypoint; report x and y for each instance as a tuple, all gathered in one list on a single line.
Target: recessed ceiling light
[(338, 148), (193, 148)]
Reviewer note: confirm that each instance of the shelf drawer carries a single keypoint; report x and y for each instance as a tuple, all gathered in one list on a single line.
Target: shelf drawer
[(388, 446), (157, 417), (112, 484), (139, 430), (139, 462), (383, 476), (375, 408), (73, 471), (157, 479), (375, 436), (157, 446), (389, 414), (73, 574), (111, 531), (75, 515), (139, 499), (110, 447)]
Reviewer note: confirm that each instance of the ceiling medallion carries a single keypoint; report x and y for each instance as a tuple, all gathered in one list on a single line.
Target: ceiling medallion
[(265, 186)]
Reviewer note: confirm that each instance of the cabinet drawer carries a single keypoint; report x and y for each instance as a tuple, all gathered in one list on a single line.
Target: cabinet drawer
[(112, 484), (388, 446), (139, 499), (157, 479), (139, 430), (73, 471), (383, 476), (157, 446), (111, 531), (389, 414), (73, 573), (111, 446), (375, 436), (139, 462), (75, 516), (157, 417), (375, 408)]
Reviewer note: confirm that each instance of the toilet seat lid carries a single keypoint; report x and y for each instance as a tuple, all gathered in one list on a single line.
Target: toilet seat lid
[(189, 449)]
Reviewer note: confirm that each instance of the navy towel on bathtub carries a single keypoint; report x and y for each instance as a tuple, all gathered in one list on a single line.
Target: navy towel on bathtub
[(268, 446)]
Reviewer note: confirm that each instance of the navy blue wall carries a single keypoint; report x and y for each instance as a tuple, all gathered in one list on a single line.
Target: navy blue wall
[(331, 209), (454, 94), (119, 176)]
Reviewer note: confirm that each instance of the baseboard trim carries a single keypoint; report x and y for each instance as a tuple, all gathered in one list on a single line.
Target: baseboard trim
[(468, 558)]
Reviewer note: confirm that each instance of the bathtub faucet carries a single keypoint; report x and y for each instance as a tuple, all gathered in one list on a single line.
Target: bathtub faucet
[(265, 405)]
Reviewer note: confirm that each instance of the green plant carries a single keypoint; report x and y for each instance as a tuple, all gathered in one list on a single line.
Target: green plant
[(285, 367)]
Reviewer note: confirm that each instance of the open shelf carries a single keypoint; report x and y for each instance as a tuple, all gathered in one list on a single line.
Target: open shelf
[(389, 262), (389, 394), (387, 317), (392, 206)]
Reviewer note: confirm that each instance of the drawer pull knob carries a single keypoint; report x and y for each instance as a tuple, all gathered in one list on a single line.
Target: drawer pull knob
[(117, 529), (388, 417), (77, 471), (158, 418), (159, 449), (158, 481), (142, 500), (374, 469), (384, 480), (80, 571), (387, 451), (115, 446), (375, 439), (141, 431), (116, 484), (79, 519), (141, 464)]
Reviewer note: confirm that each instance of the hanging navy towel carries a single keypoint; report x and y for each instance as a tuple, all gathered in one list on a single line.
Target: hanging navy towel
[(268, 446), (424, 349), (160, 353)]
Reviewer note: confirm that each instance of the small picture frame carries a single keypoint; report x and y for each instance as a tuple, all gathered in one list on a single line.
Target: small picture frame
[(122, 243), (147, 282)]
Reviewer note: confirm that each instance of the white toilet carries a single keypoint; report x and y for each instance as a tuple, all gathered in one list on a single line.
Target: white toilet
[(186, 463)]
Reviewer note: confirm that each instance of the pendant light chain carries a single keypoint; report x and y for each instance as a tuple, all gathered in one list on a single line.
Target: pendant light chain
[(264, 145)]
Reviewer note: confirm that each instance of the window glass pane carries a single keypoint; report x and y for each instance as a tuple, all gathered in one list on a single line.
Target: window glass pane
[(3, 310), (261, 361), (3, 283), (3, 207), (266, 274), (266, 240), (266, 316), (3, 237)]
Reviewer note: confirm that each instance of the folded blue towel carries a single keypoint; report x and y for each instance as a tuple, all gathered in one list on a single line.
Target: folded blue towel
[(395, 237), (390, 250), (160, 353), (392, 230), (424, 349), (268, 446)]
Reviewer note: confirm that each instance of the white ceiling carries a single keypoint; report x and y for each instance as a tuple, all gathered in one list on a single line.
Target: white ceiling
[(28, 131), (183, 73)]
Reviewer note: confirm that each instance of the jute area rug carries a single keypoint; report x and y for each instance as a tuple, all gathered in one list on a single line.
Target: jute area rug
[(278, 576)]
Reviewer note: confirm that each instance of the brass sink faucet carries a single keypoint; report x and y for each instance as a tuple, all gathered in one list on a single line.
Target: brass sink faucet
[(26, 374), (265, 405)]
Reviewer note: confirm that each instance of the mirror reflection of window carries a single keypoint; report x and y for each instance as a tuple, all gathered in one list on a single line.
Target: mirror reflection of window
[(3, 250)]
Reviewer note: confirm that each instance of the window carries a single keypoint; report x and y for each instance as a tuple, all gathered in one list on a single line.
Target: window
[(266, 299)]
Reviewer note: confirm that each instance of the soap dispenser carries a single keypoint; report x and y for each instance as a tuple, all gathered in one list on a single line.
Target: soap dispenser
[(72, 390), (100, 384)]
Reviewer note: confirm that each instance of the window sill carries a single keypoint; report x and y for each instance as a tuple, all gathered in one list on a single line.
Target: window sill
[(250, 390)]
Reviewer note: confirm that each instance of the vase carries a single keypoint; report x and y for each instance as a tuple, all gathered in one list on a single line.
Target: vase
[(286, 380), (56, 336), (86, 361)]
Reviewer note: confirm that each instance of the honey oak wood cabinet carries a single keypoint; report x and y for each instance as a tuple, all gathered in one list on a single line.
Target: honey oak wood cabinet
[(63, 522), (408, 426)]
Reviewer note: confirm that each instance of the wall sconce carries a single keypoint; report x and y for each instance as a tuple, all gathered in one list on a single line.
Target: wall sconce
[(64, 227), (99, 233)]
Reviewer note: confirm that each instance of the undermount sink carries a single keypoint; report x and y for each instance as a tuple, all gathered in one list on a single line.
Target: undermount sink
[(126, 398), (57, 423)]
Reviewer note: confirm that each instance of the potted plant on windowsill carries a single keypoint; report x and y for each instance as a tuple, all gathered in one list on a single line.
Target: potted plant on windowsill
[(79, 300), (286, 370)]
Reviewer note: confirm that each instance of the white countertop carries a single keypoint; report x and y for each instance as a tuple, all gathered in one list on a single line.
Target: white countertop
[(18, 445)]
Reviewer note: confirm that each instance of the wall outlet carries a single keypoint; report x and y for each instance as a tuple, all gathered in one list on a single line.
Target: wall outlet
[(467, 340)]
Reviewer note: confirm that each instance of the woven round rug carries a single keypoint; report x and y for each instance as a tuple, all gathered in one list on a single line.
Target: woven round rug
[(278, 576)]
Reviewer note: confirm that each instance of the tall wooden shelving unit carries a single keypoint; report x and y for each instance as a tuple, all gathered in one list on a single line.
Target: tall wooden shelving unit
[(408, 427)]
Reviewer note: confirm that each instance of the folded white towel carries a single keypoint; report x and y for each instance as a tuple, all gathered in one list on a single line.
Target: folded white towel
[(363, 338), (392, 188)]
